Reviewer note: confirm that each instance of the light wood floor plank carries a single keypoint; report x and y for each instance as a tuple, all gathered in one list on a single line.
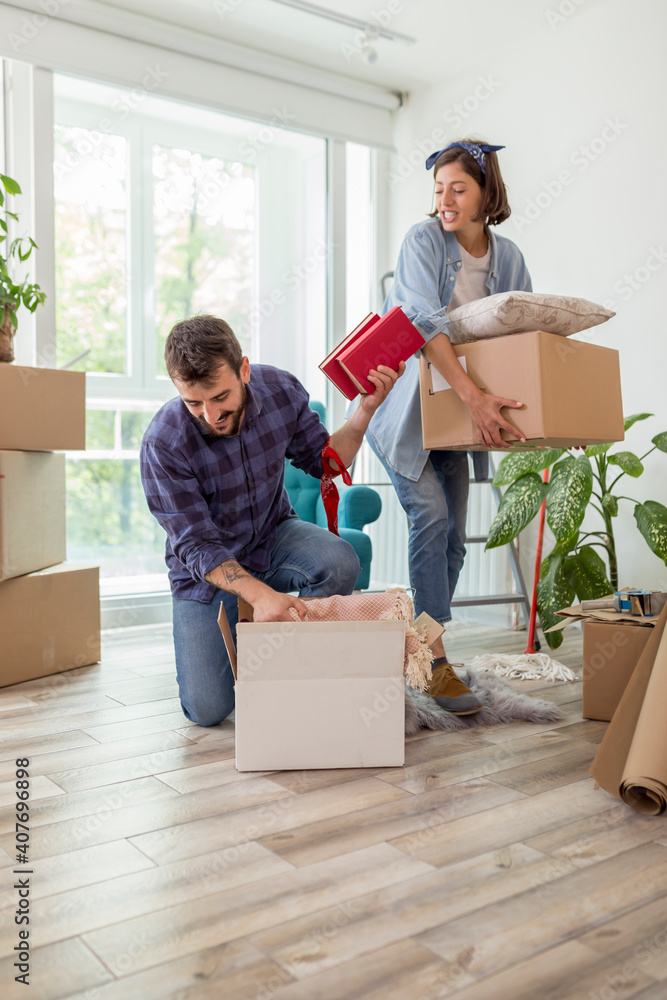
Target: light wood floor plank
[(184, 756), (85, 804), (567, 726), (640, 933), (381, 918), (488, 941), (10, 702), (318, 840), (68, 702), (115, 817), (587, 729), (155, 691), (595, 838), (183, 929), (83, 751), (100, 719), (56, 971), (402, 971), (208, 775), (66, 872), (114, 900), (569, 972), (287, 812), (232, 971), (485, 761), (549, 772), (506, 824), (166, 720), (33, 746), (40, 788)]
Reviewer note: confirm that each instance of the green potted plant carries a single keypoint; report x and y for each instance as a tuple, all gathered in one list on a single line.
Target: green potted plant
[(576, 485), (13, 295)]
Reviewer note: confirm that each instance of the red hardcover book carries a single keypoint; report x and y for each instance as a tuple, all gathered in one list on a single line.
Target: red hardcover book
[(330, 365), (390, 340)]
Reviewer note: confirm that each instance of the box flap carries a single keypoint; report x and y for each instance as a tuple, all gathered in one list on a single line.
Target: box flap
[(578, 613), (274, 651), (223, 623)]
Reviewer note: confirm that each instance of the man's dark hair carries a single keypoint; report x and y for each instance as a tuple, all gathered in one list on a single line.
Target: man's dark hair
[(198, 346)]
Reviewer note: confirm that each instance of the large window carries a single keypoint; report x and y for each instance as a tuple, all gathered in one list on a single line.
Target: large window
[(164, 210)]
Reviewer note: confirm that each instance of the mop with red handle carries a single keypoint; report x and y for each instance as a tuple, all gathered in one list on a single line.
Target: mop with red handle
[(530, 648)]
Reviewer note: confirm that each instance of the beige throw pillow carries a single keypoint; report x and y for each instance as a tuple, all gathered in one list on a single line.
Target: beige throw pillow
[(519, 312)]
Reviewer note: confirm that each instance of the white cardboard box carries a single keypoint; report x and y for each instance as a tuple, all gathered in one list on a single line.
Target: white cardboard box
[(318, 694)]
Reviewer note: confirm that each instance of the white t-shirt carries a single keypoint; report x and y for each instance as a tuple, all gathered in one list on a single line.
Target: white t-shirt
[(471, 279)]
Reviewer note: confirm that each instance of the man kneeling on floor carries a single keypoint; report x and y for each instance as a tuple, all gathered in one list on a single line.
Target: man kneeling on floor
[(212, 468)]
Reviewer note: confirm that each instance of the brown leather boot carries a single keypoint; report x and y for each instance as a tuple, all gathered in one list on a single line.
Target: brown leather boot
[(449, 691)]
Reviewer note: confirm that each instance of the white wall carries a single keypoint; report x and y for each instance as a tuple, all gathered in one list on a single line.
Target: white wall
[(594, 78)]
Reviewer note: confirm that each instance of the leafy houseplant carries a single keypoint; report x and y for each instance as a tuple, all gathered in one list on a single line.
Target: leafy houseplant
[(574, 567), (13, 295)]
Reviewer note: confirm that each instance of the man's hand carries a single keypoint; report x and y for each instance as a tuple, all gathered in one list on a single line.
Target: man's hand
[(384, 380), (487, 418), (274, 607), (268, 605)]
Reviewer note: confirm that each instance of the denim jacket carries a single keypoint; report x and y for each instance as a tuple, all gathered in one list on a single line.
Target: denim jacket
[(424, 282)]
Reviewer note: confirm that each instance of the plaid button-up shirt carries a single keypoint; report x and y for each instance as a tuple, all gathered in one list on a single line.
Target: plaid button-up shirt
[(222, 497)]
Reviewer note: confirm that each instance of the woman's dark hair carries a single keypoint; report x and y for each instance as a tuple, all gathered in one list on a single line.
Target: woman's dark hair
[(495, 206), (196, 348)]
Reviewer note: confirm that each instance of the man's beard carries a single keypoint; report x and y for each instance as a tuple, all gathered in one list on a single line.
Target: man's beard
[(235, 417)]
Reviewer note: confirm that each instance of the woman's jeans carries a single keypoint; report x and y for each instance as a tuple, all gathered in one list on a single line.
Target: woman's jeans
[(305, 558), (436, 506)]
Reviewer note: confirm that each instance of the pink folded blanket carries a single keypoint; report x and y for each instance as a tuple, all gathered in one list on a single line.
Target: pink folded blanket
[(392, 605)]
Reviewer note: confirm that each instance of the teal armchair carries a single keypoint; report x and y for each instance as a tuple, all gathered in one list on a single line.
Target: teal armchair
[(359, 505)]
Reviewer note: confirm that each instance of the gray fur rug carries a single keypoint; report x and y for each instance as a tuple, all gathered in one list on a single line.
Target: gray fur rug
[(501, 704)]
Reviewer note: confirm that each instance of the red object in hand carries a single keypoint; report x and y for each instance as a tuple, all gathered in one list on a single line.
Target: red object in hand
[(329, 489), (387, 340)]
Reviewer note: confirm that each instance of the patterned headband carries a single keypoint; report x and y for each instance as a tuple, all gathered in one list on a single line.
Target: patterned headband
[(477, 150)]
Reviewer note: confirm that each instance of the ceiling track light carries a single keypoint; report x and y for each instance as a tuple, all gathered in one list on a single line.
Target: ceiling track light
[(371, 28)]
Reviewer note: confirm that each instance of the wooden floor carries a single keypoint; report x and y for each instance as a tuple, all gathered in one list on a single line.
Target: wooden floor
[(490, 867)]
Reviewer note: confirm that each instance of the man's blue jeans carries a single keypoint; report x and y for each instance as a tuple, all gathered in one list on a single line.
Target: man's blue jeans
[(436, 506), (305, 558)]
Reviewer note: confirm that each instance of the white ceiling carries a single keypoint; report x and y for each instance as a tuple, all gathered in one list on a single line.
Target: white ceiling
[(451, 35)]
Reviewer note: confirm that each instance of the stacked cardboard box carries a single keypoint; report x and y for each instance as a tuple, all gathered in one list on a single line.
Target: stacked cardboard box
[(49, 609)]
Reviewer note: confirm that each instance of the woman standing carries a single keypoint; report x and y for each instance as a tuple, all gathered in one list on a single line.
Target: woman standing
[(444, 262)]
